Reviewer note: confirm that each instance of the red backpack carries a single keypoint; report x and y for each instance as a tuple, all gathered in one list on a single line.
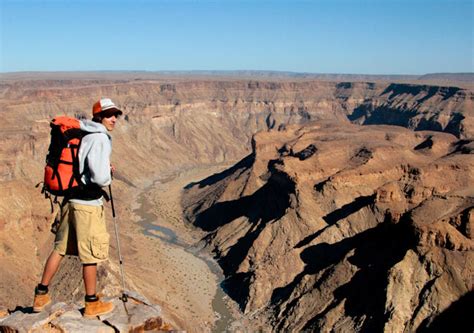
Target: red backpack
[(61, 172)]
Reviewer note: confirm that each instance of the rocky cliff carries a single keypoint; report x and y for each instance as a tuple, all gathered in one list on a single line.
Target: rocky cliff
[(174, 124), (326, 227), (419, 107)]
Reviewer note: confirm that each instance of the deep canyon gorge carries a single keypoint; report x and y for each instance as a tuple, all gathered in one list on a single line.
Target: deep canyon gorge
[(329, 205)]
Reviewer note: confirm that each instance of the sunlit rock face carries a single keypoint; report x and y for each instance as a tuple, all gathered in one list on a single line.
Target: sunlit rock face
[(331, 226)]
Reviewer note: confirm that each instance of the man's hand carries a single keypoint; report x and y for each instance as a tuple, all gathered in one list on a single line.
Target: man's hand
[(112, 169)]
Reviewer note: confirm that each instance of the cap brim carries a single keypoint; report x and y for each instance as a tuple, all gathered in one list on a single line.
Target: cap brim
[(111, 112)]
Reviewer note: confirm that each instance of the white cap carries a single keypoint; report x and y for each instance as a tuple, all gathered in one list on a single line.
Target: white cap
[(105, 104)]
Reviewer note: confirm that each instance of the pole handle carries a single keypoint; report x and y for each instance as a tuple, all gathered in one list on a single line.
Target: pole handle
[(111, 200)]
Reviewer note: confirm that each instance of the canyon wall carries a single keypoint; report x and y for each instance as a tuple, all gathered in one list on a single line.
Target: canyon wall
[(330, 227), (175, 124)]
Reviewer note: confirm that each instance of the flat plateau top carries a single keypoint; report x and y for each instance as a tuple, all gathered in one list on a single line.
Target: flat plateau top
[(463, 80)]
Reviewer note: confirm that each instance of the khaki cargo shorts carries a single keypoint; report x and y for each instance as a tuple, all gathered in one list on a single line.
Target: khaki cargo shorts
[(82, 232)]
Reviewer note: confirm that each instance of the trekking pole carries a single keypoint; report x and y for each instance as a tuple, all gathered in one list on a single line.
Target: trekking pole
[(124, 297)]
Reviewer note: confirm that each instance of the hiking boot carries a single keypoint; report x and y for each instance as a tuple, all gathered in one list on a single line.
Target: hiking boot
[(3, 312), (97, 308), (41, 300)]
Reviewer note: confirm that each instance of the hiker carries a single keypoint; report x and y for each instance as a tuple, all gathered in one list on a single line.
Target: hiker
[(82, 228)]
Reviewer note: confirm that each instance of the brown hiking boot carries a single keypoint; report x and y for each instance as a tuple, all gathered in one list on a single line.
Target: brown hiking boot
[(41, 301), (97, 308)]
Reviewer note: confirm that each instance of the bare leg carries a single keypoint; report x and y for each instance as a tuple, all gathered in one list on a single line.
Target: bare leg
[(93, 305), (51, 267), (89, 273)]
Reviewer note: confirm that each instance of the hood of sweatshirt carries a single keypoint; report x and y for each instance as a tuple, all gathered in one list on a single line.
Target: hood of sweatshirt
[(93, 127)]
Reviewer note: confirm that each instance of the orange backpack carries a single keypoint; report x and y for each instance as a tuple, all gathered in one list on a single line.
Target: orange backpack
[(61, 172)]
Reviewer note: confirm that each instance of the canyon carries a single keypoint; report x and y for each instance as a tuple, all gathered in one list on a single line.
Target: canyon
[(317, 222), (330, 227)]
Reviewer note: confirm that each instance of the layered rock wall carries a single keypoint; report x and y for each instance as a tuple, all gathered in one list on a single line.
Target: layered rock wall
[(343, 228)]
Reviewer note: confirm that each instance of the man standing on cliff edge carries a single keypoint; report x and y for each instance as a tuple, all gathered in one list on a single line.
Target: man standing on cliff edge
[(82, 230)]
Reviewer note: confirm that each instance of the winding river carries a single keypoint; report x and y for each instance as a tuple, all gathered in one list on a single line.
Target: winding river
[(154, 226)]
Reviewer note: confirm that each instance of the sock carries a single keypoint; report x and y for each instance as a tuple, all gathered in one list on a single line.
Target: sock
[(41, 289), (91, 298)]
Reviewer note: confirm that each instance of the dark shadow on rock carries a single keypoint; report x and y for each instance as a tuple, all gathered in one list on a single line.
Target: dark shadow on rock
[(338, 215), (376, 251), (270, 121), (363, 156), (386, 115), (344, 85), (430, 92), (222, 213), (457, 317), (448, 92), (427, 144), (316, 258), (463, 147), (396, 89), (267, 204), (368, 114), (306, 153), (28, 309), (237, 253), (319, 187), (361, 112), (305, 116), (431, 124), (237, 286), (454, 125), (245, 163)]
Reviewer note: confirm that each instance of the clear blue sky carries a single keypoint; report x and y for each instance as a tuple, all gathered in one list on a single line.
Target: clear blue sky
[(351, 36)]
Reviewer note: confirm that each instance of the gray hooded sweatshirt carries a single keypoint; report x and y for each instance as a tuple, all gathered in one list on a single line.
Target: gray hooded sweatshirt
[(94, 158)]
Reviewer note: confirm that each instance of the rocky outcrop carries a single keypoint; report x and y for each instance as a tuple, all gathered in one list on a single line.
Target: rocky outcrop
[(344, 228), (137, 314)]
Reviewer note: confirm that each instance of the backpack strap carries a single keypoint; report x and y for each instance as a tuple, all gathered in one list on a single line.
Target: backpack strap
[(75, 165), (47, 195)]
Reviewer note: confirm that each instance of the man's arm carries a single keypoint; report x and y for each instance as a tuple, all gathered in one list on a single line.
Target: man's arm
[(98, 160)]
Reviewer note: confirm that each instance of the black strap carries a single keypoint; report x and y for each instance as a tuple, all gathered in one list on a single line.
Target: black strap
[(75, 166)]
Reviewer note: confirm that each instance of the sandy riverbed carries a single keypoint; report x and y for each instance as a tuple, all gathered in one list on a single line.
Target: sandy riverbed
[(160, 257)]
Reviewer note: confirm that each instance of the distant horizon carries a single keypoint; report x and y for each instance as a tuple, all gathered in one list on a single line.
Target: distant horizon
[(243, 71), (361, 37)]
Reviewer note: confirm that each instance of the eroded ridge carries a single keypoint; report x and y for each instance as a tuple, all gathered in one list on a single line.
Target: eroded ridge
[(370, 231)]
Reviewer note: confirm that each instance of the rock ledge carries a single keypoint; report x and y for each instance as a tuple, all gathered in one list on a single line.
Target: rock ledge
[(135, 315)]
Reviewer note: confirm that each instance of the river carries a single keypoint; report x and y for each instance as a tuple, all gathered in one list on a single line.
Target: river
[(156, 225)]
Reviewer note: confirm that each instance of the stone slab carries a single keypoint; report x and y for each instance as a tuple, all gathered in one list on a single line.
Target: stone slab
[(133, 316)]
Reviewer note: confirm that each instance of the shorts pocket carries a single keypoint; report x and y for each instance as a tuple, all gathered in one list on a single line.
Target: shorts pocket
[(100, 245)]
